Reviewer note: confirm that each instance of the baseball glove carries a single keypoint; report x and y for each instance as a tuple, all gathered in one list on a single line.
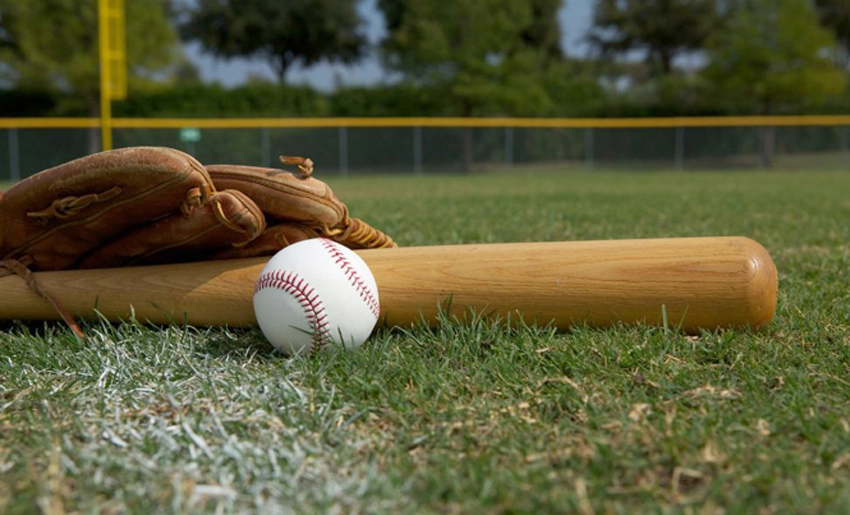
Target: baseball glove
[(155, 205)]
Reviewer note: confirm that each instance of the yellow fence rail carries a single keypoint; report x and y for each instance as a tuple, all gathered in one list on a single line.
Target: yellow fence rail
[(495, 122)]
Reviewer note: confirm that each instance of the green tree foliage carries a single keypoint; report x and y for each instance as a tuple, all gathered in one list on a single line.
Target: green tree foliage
[(544, 32), (663, 29), (770, 56), (281, 32), (475, 50), (54, 46), (7, 23), (835, 15), (485, 56)]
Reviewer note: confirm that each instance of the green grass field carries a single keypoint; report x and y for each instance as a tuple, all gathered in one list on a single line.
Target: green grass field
[(470, 416)]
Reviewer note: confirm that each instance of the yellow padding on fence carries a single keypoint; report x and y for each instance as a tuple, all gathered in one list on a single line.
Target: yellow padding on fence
[(495, 122)]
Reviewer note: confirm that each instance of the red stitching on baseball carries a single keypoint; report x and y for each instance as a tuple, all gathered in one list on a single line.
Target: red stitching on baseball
[(306, 296), (355, 279)]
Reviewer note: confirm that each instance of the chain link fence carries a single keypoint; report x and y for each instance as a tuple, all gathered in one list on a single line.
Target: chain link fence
[(347, 150)]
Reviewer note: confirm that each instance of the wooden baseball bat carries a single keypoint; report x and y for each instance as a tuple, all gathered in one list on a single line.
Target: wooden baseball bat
[(688, 283)]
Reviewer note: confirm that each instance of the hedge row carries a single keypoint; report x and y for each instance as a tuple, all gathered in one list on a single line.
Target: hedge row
[(569, 98)]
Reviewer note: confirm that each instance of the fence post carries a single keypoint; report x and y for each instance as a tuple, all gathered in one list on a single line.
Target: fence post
[(509, 147), (588, 148), (343, 151), (14, 156), (680, 148), (265, 147), (417, 150)]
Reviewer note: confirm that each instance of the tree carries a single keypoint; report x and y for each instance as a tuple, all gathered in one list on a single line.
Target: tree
[(544, 31), (283, 32), (663, 29), (475, 51), (54, 45), (769, 57), (835, 15), (7, 23)]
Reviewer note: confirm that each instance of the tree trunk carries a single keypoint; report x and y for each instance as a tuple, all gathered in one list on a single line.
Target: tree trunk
[(281, 66), (467, 149), (666, 62)]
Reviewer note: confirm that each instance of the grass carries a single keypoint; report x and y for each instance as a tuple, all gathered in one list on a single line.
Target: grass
[(469, 416)]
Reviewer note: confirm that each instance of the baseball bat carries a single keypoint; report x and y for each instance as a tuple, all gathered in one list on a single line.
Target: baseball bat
[(687, 283)]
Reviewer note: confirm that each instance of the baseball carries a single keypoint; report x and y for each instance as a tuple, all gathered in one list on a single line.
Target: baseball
[(316, 293)]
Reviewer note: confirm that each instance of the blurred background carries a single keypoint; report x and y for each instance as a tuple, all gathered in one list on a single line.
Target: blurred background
[(428, 86)]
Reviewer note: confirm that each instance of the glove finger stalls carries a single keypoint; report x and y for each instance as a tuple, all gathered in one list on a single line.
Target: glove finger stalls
[(282, 195), (287, 197), (227, 219), (58, 215)]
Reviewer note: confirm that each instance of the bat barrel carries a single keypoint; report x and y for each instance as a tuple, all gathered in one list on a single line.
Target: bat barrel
[(691, 283)]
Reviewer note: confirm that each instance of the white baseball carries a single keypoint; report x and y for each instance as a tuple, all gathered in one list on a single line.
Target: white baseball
[(316, 293)]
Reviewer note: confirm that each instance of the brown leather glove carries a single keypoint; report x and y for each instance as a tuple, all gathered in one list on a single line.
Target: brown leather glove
[(151, 205), (118, 208), (144, 205)]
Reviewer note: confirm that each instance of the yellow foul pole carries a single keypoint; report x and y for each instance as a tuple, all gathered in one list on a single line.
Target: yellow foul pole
[(113, 63)]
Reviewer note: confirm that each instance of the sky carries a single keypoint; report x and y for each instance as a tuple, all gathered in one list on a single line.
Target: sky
[(575, 18)]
